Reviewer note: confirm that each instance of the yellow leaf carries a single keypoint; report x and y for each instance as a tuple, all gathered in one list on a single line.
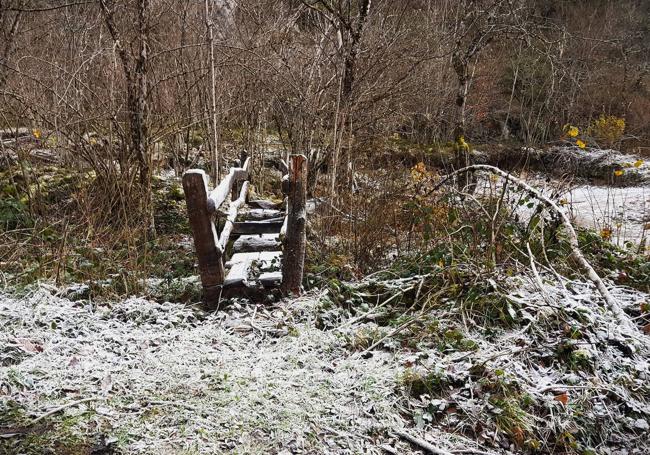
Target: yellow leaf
[(619, 172), (581, 144), (37, 133), (638, 163), (419, 172), (606, 233), (563, 202), (573, 131)]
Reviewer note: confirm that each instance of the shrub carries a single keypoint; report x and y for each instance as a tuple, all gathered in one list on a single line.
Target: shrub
[(607, 129)]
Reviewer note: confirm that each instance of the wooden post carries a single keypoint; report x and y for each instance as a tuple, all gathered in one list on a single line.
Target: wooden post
[(238, 182), (195, 184), (293, 261)]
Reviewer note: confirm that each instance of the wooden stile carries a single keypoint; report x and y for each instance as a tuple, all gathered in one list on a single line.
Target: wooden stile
[(266, 230)]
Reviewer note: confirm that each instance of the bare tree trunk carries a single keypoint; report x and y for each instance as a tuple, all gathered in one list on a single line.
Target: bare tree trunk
[(214, 154), (135, 72), (345, 98), (9, 42), (138, 100), (462, 73)]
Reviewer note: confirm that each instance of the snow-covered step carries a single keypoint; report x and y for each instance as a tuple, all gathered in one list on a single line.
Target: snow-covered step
[(270, 279), (260, 242), (260, 214), (241, 265)]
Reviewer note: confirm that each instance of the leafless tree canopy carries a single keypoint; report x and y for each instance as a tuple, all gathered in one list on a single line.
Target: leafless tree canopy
[(121, 85)]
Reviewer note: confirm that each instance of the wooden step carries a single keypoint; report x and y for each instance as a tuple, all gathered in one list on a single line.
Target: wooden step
[(241, 265), (262, 242), (263, 259), (270, 279), (265, 204), (272, 226), (261, 214)]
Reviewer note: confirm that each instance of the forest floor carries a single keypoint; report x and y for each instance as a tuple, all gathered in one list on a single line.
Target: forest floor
[(451, 350), (144, 377)]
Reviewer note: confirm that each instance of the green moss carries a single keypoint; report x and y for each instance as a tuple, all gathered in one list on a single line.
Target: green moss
[(14, 214), (417, 382), (60, 433)]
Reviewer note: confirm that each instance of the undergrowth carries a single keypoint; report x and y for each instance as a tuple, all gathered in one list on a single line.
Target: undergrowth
[(453, 298), (49, 233)]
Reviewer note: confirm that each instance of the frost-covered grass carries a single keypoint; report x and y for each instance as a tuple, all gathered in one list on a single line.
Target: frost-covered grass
[(304, 376), (549, 370), (166, 380)]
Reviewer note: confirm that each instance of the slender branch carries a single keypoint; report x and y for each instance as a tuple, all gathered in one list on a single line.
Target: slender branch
[(576, 253)]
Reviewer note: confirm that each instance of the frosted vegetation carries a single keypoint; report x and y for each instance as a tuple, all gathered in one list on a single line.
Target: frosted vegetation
[(303, 376)]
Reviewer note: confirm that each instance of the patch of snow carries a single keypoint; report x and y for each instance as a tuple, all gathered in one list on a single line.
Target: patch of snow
[(625, 211)]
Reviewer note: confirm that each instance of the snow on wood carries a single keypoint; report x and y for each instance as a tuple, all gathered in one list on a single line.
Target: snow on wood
[(261, 214), (262, 242), (270, 279)]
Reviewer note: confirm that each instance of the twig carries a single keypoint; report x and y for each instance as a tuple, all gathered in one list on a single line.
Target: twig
[(388, 449), (61, 408), (538, 279), (392, 333), (422, 443)]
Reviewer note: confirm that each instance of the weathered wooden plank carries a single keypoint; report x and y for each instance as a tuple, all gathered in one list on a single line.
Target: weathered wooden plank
[(295, 239), (270, 279), (220, 193), (264, 204), (264, 259), (241, 265), (208, 251), (258, 227), (232, 215), (261, 214), (243, 257), (238, 275), (263, 242)]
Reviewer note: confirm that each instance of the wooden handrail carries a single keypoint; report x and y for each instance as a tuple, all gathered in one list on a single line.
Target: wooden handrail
[(232, 216), (220, 193), (211, 248)]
